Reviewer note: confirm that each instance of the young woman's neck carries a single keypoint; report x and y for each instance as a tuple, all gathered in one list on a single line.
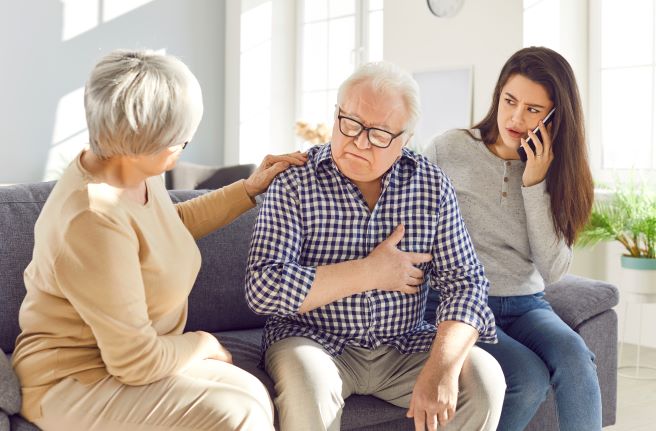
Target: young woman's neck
[(503, 151)]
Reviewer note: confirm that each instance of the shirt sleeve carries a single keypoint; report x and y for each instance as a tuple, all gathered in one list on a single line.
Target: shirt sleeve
[(276, 283), (551, 255), (458, 274), (206, 213), (113, 303)]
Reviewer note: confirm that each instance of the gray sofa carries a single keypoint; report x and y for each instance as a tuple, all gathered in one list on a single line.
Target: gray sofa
[(217, 305)]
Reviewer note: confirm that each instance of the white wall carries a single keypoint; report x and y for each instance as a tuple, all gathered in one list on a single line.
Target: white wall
[(44, 59), (484, 34)]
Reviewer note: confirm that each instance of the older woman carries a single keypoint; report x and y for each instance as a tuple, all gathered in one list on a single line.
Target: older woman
[(102, 344)]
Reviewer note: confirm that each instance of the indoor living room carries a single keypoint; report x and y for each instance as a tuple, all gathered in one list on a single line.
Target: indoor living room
[(270, 71)]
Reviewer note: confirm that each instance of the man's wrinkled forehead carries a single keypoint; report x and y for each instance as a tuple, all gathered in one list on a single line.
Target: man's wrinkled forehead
[(364, 97)]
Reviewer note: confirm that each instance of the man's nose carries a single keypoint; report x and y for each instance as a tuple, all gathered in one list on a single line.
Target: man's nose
[(362, 140)]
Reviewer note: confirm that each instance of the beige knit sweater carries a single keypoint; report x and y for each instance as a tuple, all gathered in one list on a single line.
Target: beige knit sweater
[(108, 283)]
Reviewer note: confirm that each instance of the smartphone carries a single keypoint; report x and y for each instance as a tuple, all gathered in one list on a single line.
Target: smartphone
[(546, 120)]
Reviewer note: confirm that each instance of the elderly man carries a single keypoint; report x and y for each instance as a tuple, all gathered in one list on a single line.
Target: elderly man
[(344, 251)]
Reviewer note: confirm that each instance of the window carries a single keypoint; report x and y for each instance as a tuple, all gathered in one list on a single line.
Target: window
[(255, 80), (615, 67), (626, 71), (335, 37), (292, 55)]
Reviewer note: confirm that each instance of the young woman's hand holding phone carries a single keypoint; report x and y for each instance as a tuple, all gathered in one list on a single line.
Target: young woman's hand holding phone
[(538, 161)]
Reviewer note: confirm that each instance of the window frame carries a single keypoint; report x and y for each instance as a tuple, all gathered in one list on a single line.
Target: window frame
[(360, 54)]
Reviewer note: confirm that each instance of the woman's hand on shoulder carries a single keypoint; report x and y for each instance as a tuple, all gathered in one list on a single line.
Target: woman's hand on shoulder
[(271, 166), (212, 349), (537, 164)]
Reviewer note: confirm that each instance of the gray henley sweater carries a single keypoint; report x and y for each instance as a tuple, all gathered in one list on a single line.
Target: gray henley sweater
[(510, 225)]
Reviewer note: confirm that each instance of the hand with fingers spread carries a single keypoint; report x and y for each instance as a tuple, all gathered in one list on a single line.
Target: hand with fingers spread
[(538, 162), (271, 166), (394, 270)]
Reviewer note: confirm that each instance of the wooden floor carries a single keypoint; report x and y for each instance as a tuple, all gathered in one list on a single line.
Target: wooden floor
[(636, 399)]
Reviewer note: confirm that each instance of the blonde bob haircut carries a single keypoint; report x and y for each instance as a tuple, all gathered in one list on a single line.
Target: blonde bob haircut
[(140, 102), (386, 78)]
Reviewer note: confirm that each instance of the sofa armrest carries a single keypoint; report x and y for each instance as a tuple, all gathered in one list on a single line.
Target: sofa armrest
[(576, 299)]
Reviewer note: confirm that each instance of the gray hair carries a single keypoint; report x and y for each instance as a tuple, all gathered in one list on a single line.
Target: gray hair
[(140, 102), (387, 77)]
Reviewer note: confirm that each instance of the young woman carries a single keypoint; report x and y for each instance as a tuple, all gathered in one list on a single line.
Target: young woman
[(523, 218)]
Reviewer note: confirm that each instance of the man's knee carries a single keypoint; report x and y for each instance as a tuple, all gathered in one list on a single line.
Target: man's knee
[(308, 384), (484, 384), (303, 368)]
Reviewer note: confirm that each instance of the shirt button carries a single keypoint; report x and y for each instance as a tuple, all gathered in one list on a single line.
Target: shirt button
[(507, 163), (504, 194), (505, 179)]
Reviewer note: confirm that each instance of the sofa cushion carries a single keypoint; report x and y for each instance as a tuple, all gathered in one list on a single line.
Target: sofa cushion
[(20, 206), (577, 299)]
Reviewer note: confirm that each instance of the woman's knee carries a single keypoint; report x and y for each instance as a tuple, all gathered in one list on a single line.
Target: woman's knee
[(529, 382), (236, 407), (573, 358), (253, 385)]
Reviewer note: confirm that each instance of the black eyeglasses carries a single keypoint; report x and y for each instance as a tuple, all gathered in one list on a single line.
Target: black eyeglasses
[(377, 137), (185, 145)]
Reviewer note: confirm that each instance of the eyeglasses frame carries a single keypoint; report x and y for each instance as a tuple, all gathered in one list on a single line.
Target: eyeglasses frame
[(365, 129)]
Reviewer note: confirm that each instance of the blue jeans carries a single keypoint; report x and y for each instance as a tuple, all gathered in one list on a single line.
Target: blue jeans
[(537, 350)]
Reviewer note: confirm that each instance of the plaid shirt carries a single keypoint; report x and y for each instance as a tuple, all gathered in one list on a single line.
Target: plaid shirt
[(313, 215)]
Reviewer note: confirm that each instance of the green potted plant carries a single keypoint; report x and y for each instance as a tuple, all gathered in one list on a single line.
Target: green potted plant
[(628, 215)]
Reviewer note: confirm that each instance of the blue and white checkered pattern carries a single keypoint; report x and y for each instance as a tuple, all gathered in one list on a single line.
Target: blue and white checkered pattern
[(313, 215)]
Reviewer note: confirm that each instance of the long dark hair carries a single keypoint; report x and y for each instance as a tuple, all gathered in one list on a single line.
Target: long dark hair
[(569, 181)]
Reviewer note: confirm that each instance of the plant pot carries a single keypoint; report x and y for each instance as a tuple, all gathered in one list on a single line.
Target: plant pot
[(639, 279)]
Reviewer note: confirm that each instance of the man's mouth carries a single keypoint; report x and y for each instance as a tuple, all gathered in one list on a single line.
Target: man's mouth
[(356, 156)]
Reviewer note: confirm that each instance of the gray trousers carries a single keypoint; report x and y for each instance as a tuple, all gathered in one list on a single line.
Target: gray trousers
[(311, 385)]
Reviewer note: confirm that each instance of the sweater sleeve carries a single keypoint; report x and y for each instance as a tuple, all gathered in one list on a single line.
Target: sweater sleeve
[(431, 150), (113, 302), (551, 255), (215, 209)]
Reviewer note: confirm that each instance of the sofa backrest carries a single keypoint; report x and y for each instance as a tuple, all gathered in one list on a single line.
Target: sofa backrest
[(216, 302)]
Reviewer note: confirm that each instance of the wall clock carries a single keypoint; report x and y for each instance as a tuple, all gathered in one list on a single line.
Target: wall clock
[(445, 8)]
